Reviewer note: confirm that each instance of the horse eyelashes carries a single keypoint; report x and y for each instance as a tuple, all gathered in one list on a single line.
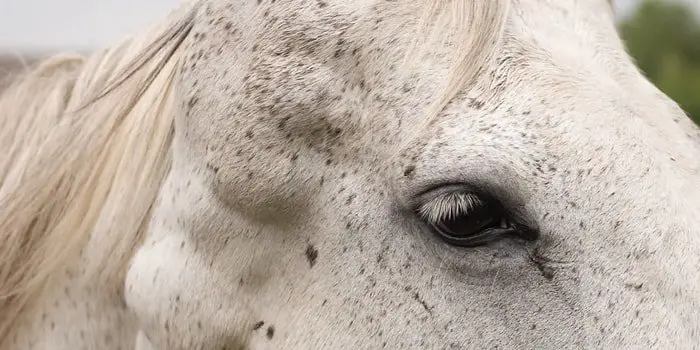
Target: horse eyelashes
[(449, 206)]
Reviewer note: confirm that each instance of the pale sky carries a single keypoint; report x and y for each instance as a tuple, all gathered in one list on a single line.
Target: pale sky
[(86, 24), (74, 24)]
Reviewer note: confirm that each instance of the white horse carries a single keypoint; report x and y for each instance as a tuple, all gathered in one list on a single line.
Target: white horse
[(350, 174)]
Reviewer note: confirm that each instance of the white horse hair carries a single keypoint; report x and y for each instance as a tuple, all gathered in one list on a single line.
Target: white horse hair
[(82, 137)]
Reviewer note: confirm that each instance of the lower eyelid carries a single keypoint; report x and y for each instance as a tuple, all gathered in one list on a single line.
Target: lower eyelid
[(483, 238)]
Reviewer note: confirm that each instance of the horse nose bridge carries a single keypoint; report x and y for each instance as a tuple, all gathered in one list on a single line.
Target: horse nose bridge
[(643, 241), (654, 200), (646, 236), (632, 187), (668, 264)]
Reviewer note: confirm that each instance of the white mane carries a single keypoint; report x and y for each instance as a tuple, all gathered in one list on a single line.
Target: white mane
[(85, 146)]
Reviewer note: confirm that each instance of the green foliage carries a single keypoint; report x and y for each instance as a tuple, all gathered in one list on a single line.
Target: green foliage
[(664, 39)]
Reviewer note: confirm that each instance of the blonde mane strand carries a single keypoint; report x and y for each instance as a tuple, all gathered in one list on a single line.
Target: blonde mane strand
[(84, 148)]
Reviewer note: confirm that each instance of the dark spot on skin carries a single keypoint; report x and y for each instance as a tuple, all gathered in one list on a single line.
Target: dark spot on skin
[(213, 168), (283, 122), (417, 297), (540, 262), (322, 4), (193, 101), (617, 224), (409, 170), (270, 332), (311, 255), (635, 286), (546, 271), (476, 104), (350, 199), (258, 325)]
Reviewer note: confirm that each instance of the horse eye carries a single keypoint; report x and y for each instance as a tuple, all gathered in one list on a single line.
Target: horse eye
[(467, 219)]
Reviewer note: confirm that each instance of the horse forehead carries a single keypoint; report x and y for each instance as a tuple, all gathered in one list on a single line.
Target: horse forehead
[(567, 117), (530, 29)]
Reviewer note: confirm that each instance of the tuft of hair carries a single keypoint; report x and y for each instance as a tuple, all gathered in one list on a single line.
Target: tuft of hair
[(84, 148), (474, 28)]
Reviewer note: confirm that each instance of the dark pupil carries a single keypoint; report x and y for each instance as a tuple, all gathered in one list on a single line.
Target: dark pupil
[(468, 224)]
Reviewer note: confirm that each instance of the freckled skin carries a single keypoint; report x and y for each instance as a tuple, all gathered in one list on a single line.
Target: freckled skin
[(293, 139), (286, 222), (76, 316)]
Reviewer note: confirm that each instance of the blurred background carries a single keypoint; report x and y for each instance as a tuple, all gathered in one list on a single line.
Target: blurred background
[(662, 35)]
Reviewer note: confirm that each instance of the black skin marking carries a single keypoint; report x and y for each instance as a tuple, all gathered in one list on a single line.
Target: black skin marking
[(258, 325), (540, 262), (270, 332), (546, 271), (634, 286), (311, 255), (417, 297), (408, 170)]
